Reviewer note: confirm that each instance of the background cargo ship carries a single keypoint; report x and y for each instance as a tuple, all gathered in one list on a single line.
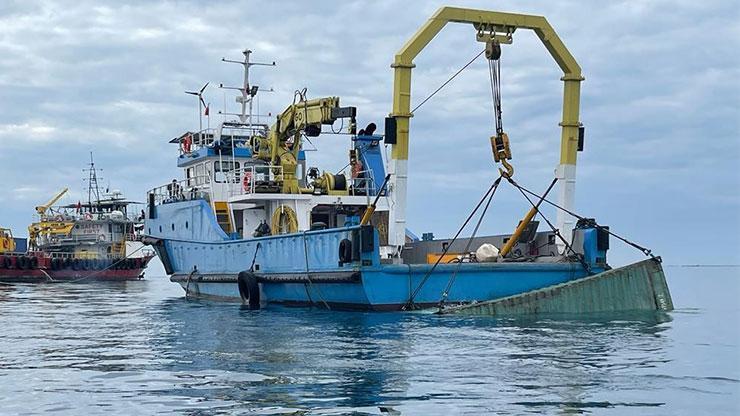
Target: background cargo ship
[(95, 240)]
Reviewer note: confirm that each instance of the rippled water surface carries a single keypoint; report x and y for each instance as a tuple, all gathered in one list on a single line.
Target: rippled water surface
[(141, 348)]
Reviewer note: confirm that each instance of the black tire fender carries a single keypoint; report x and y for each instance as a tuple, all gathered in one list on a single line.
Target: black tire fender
[(23, 263), (345, 251), (33, 262), (249, 290)]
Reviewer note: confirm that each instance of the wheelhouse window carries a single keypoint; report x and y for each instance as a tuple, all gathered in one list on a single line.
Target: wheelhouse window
[(190, 173), (200, 174), (226, 171)]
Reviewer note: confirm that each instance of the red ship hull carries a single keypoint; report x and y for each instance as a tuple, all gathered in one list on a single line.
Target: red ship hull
[(43, 271)]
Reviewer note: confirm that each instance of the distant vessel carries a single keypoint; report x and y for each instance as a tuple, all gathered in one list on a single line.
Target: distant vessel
[(95, 240), (252, 220)]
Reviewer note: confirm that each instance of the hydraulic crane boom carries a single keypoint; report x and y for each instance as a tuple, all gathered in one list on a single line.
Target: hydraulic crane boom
[(284, 141), (41, 209)]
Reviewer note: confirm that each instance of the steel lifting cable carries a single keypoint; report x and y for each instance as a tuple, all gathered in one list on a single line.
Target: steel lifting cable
[(550, 224), (410, 302), (448, 81), (536, 208), (645, 251), (446, 292), (494, 71)]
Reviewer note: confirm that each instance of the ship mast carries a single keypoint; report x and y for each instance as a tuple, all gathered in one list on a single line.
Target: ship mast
[(248, 92), (93, 191)]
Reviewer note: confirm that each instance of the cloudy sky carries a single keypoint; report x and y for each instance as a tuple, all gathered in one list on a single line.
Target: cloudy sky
[(661, 103)]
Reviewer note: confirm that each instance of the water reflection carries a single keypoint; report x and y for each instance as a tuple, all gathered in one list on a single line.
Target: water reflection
[(314, 358), (138, 347)]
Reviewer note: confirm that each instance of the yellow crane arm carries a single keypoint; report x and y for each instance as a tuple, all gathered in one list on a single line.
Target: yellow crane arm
[(308, 116), (41, 209)]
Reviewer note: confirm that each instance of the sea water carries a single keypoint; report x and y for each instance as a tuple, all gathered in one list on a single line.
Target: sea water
[(142, 348)]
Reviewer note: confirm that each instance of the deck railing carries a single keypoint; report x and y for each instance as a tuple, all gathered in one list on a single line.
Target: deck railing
[(197, 187), (365, 182), (254, 179)]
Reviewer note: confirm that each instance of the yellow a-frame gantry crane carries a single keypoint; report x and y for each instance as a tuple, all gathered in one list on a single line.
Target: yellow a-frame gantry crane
[(488, 25)]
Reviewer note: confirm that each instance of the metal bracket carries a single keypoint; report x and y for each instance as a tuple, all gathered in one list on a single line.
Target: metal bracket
[(488, 33)]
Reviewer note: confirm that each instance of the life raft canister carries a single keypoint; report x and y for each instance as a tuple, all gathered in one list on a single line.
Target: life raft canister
[(247, 182)]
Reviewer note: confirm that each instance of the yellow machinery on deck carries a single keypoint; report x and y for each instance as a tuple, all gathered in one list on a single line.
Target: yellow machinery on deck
[(48, 225), (7, 243), (282, 145)]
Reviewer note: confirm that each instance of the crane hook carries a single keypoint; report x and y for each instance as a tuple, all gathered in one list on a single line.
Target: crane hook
[(509, 170), (502, 153)]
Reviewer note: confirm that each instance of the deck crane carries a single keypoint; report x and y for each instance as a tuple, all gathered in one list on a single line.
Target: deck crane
[(48, 225), (489, 26), (41, 209), (283, 143)]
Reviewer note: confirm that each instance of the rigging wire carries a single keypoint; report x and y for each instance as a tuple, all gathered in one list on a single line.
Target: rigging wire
[(467, 247), (644, 250), (550, 224), (492, 188), (448, 81), (494, 70)]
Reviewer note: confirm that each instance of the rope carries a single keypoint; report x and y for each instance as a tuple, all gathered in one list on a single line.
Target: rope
[(47, 275), (187, 285), (308, 275), (644, 250), (254, 259), (410, 302), (446, 292), (448, 81)]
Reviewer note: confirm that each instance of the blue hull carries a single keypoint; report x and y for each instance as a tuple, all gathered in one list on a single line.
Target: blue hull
[(305, 268)]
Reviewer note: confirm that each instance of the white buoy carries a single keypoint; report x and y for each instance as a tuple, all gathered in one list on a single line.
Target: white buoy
[(487, 253)]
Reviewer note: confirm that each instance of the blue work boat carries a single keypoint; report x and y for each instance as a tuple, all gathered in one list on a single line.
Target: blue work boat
[(251, 220)]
